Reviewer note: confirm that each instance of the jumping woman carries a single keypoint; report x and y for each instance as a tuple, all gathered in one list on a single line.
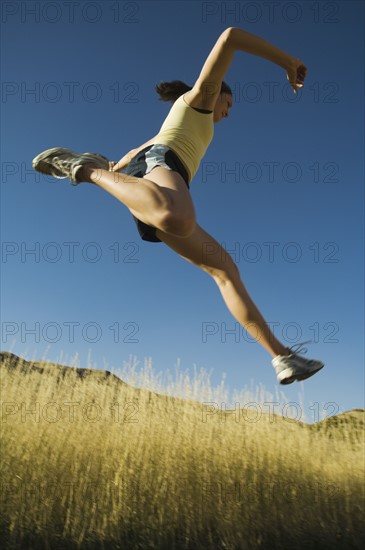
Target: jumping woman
[(155, 185)]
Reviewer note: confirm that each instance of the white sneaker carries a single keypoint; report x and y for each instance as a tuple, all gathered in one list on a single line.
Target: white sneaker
[(63, 163), (290, 368)]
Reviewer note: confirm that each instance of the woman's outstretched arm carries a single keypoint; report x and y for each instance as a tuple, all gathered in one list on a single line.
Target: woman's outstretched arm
[(208, 85), (250, 43)]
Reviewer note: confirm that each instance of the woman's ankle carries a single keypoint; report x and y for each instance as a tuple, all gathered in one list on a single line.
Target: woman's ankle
[(89, 173), (83, 173), (281, 350)]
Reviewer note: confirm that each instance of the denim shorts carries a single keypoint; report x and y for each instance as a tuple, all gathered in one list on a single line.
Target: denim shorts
[(142, 164)]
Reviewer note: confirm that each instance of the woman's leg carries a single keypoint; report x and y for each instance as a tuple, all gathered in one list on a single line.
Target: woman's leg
[(160, 199), (205, 252)]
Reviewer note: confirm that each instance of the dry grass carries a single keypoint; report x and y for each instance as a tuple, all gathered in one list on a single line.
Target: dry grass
[(101, 464)]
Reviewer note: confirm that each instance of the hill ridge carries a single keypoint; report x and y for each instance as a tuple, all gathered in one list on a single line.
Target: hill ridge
[(12, 361)]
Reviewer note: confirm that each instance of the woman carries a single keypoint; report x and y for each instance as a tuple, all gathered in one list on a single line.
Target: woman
[(155, 186)]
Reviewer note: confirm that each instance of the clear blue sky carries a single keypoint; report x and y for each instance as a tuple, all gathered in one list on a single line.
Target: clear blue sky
[(281, 186)]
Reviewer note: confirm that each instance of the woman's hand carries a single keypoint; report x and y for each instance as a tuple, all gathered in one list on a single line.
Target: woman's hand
[(296, 73), (122, 163)]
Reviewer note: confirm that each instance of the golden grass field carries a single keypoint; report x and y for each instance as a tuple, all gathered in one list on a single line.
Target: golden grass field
[(91, 462)]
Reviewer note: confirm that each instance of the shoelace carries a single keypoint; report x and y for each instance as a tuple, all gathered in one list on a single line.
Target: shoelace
[(57, 164), (61, 164), (299, 348)]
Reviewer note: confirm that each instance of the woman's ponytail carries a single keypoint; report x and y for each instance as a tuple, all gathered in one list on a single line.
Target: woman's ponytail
[(171, 91)]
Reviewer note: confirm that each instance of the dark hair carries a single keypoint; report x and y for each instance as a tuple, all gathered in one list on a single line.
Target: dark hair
[(171, 91)]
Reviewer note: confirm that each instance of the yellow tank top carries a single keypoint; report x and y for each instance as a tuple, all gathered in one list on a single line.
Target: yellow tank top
[(188, 133)]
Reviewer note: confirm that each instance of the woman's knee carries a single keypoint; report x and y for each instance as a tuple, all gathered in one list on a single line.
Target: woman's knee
[(223, 272), (178, 223)]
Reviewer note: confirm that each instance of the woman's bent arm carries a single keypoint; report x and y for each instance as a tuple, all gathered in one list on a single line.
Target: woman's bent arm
[(208, 85), (250, 43)]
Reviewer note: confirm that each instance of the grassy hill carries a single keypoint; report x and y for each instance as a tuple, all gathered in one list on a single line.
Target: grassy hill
[(91, 462)]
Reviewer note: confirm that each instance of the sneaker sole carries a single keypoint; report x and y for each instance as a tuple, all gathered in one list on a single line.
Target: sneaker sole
[(288, 377), (308, 375)]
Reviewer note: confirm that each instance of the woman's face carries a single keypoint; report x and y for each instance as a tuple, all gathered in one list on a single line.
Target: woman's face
[(223, 104)]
